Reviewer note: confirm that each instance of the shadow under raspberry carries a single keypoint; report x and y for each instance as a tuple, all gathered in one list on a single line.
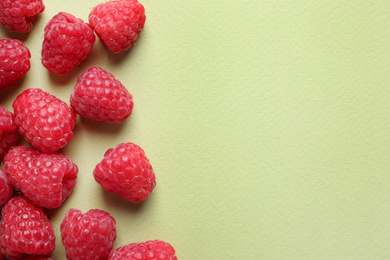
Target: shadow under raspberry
[(114, 200)]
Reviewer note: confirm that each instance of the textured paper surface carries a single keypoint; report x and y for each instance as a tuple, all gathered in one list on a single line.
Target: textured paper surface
[(267, 124)]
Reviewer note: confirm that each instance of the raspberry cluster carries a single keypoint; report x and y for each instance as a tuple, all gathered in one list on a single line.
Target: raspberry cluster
[(40, 177)]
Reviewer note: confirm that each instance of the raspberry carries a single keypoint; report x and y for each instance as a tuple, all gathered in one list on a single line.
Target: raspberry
[(25, 229), (45, 120), (149, 250), (6, 189), (33, 257), (46, 179), (19, 15), (126, 171), (100, 96), (14, 61), (88, 236), (118, 23), (67, 42), (9, 132)]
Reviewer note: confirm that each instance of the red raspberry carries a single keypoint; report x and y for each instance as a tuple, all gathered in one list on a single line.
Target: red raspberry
[(6, 189), (34, 257), (25, 229), (46, 179), (88, 236), (100, 96), (9, 132), (118, 23), (125, 170), (67, 42), (45, 120), (149, 250), (19, 15), (14, 61)]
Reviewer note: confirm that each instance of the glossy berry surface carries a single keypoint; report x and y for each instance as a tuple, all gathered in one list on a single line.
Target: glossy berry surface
[(14, 61), (25, 229), (125, 170), (88, 236), (19, 15), (98, 95), (118, 23), (149, 250), (9, 131), (67, 42), (45, 120), (6, 188), (46, 179)]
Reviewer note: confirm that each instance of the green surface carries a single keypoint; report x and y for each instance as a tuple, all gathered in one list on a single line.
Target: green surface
[(267, 124)]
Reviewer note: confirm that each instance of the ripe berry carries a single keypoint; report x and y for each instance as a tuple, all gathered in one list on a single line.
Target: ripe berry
[(149, 250), (14, 61), (125, 170), (33, 257), (118, 23), (100, 96), (6, 189), (25, 229), (9, 131), (46, 179), (45, 120), (88, 236), (67, 42), (19, 15)]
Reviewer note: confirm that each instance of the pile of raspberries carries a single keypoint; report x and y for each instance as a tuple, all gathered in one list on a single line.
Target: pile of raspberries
[(38, 178)]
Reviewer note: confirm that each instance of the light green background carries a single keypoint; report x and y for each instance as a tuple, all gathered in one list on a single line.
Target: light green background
[(267, 124)]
